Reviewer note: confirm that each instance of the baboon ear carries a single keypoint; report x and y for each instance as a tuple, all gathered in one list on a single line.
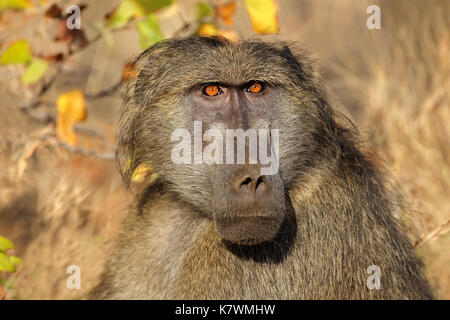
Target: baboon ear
[(134, 91), (149, 65), (137, 93)]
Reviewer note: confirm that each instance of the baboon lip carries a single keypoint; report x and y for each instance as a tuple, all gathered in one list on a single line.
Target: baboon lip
[(246, 242), (248, 229)]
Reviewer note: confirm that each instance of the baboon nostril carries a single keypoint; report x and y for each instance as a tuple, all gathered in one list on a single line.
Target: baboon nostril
[(255, 186), (246, 182), (260, 182)]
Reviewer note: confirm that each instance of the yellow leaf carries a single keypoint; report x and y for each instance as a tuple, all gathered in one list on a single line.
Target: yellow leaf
[(141, 173), (14, 4), (71, 109), (17, 53), (207, 30), (263, 15)]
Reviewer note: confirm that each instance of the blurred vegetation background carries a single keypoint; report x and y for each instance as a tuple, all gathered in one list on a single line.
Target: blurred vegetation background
[(61, 197)]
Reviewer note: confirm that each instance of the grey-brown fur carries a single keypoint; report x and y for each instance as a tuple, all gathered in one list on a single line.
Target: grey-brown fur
[(339, 216)]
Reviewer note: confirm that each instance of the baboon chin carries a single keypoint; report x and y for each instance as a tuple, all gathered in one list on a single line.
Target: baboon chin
[(305, 217), (248, 207)]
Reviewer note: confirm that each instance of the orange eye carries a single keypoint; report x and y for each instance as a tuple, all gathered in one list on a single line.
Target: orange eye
[(212, 90), (255, 87)]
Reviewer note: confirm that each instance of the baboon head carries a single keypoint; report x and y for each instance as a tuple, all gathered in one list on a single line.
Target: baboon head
[(191, 92)]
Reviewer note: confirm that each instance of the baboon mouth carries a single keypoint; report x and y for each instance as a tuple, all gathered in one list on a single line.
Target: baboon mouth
[(248, 230), (246, 242)]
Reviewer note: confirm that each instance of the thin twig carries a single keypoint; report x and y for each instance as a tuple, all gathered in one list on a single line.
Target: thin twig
[(86, 152), (435, 234), (38, 99), (186, 25), (105, 92), (78, 150), (33, 103)]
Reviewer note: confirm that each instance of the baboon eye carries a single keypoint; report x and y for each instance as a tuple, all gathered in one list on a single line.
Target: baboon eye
[(212, 90), (255, 87)]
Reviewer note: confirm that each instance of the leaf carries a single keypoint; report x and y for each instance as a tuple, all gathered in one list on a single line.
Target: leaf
[(74, 36), (129, 9), (129, 71), (150, 6), (15, 260), (229, 34), (203, 10), (5, 263), (210, 30), (35, 71), (226, 12), (17, 53), (149, 31), (140, 173), (71, 109), (207, 30), (51, 57), (120, 17), (14, 4), (53, 12), (263, 15), (5, 244)]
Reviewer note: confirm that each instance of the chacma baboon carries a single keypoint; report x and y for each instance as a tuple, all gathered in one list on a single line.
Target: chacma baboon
[(312, 230)]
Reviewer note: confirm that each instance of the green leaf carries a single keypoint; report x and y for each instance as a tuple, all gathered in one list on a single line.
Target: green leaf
[(149, 31), (35, 71), (14, 4), (149, 6), (5, 263), (129, 9), (16, 53), (122, 15), (15, 260), (5, 244), (203, 10), (7, 284)]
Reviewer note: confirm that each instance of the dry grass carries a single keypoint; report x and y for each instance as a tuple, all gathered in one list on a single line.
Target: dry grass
[(62, 212), (393, 82)]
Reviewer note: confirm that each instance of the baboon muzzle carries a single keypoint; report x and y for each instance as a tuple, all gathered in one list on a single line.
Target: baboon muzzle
[(248, 207)]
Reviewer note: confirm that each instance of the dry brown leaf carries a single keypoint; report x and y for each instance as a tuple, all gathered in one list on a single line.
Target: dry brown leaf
[(52, 57), (231, 35), (226, 12), (129, 71), (75, 36), (53, 12)]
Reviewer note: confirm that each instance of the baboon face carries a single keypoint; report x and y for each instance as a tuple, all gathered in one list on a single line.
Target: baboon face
[(189, 92)]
